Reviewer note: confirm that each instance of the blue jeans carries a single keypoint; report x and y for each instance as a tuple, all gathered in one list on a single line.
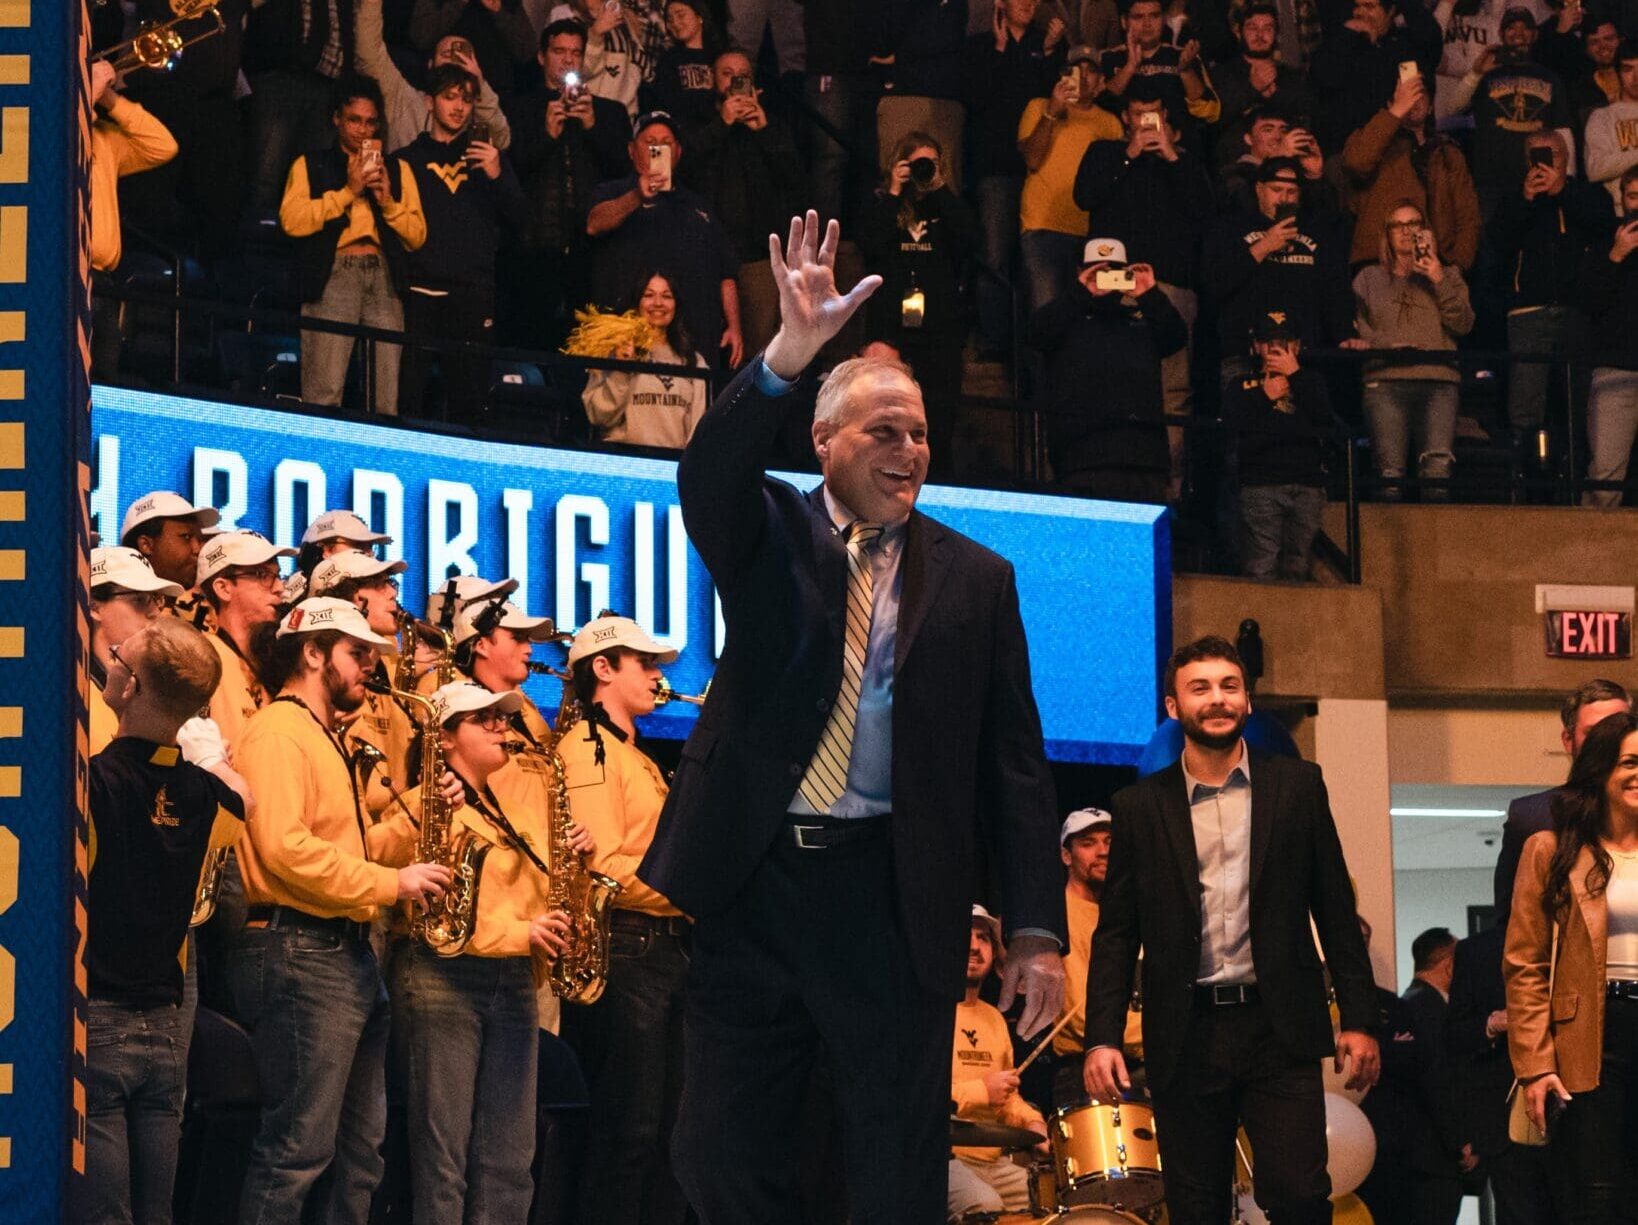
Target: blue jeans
[(1420, 412), (136, 1073), (630, 1044), (467, 1035), (1551, 329), (849, 105), (1278, 524), (1612, 423), (1051, 260), (317, 1014), (997, 197)]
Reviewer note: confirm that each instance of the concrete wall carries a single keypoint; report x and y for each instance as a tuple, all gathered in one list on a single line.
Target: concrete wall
[(1471, 744), (1458, 591), (1351, 746)]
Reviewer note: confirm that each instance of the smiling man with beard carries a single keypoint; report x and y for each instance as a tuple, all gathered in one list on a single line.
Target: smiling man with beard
[(1216, 866)]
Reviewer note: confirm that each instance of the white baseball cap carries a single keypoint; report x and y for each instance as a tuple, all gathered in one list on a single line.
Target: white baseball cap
[(129, 570), (162, 504), (1083, 819), (509, 617), (601, 633), (465, 698), (338, 568), (980, 915), (342, 525), (468, 587), (241, 548), (325, 613), (1104, 251)]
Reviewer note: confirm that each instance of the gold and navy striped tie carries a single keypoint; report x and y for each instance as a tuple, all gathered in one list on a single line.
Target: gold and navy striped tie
[(826, 778)]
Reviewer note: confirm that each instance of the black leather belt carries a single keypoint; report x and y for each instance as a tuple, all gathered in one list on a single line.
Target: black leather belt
[(635, 921), (288, 916), (1621, 989), (1223, 995), (828, 833)]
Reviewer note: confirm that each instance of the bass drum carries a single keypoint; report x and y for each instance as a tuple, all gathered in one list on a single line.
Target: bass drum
[(1092, 1215)]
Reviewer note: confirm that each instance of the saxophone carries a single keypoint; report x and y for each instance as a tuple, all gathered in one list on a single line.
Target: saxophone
[(446, 926), (587, 897), (412, 631), (210, 884)]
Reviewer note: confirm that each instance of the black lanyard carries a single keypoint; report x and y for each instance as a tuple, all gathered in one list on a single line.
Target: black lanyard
[(489, 808), (347, 765)]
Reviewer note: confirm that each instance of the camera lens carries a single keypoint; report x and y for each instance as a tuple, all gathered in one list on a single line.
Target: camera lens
[(922, 170)]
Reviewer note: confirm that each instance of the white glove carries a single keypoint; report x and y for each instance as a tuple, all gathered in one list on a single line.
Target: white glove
[(201, 743)]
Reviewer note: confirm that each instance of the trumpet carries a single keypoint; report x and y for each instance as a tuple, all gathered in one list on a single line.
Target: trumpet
[(663, 693), (159, 44)]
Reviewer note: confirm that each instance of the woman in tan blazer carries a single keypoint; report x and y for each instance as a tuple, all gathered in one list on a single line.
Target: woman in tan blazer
[(1578, 1039)]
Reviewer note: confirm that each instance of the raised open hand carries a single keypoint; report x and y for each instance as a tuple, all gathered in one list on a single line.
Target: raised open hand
[(811, 310)]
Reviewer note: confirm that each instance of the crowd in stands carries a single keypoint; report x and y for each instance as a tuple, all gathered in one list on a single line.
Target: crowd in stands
[(1265, 179)]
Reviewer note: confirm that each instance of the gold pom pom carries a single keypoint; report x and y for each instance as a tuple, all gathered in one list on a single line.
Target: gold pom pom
[(603, 334)]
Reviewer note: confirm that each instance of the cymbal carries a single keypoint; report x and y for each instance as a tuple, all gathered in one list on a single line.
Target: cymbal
[(965, 1133)]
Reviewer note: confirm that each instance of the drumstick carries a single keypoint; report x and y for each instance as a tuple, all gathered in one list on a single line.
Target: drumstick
[(1042, 1045)]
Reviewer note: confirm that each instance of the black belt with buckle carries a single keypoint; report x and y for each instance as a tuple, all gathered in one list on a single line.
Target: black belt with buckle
[(289, 916), (828, 833), (1621, 989), (636, 921), (1223, 995)]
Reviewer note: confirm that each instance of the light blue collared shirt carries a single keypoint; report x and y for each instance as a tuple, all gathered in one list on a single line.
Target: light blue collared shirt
[(1222, 842)]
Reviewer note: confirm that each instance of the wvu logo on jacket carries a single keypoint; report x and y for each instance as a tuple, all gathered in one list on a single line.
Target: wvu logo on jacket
[(451, 175)]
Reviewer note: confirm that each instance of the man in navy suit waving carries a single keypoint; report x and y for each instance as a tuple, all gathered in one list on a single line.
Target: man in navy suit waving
[(870, 756)]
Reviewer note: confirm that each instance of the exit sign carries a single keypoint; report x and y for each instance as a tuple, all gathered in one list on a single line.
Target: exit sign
[(1586, 622), (1589, 634)]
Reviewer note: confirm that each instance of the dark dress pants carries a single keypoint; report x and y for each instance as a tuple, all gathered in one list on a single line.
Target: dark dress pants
[(1234, 1071), (1594, 1154), (810, 958)]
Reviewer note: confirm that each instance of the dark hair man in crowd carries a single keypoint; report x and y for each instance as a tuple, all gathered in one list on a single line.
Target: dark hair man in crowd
[(1281, 412), (1583, 709), (471, 199), (745, 165), (1396, 157), (404, 107), (1254, 77), (1541, 234), (1154, 195), (1609, 295), (1513, 97), (1267, 130), (1356, 66), (647, 221), (355, 213), (1105, 345), (565, 142), (1235, 1015), (1280, 257), (1612, 131), (1175, 75), (1591, 75)]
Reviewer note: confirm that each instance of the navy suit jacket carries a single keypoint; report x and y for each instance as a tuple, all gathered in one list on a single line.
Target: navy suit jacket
[(973, 799), (1529, 814), (1151, 900)]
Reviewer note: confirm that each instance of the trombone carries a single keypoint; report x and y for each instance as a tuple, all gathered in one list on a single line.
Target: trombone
[(159, 44)]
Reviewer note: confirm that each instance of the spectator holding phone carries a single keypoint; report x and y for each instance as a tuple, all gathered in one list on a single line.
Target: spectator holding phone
[(471, 198), (1105, 339), (617, 39), (1399, 156), (1610, 298), (1254, 77), (1176, 74), (1053, 137), (1570, 959), (1612, 131), (404, 108), (495, 33), (918, 235), (1410, 299), (646, 221), (1269, 131), (1154, 195), (1281, 411), (1541, 235), (355, 214), (650, 410), (1357, 65), (745, 164)]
